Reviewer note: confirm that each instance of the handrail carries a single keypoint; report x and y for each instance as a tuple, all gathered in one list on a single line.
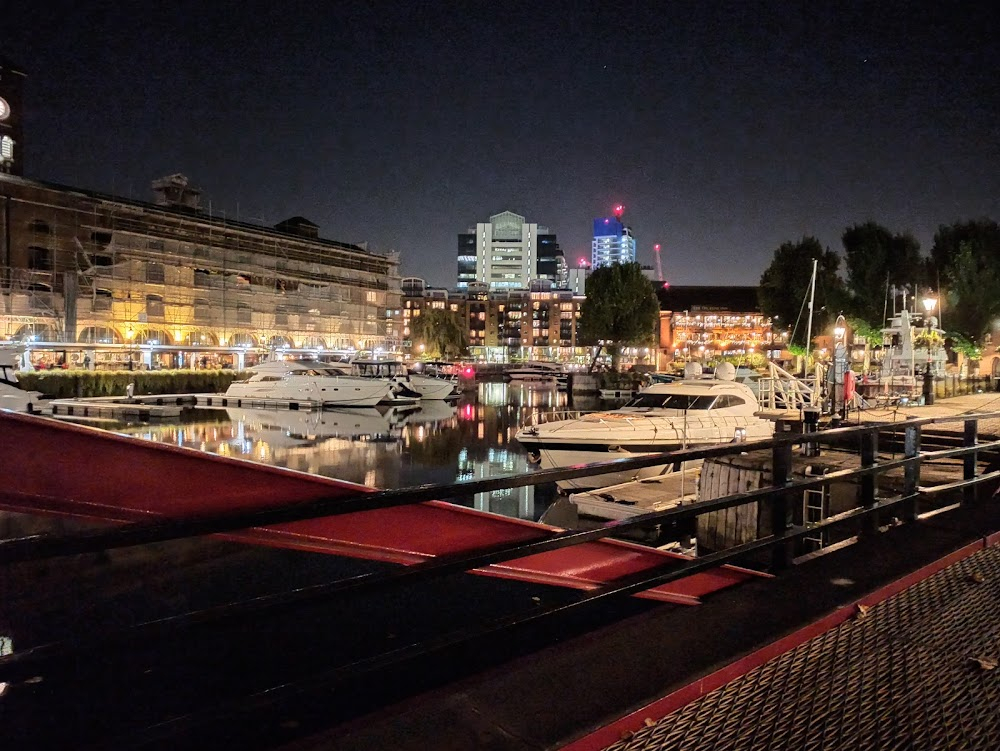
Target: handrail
[(89, 645), (43, 546)]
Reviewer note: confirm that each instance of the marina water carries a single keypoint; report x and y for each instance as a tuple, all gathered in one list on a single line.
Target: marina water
[(386, 447)]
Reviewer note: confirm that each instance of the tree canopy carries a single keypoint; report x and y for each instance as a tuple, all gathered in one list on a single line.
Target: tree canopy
[(874, 259), (621, 309), (440, 331), (784, 286), (982, 236), (973, 293)]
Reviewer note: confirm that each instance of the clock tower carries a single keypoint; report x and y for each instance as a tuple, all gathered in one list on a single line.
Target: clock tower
[(11, 118)]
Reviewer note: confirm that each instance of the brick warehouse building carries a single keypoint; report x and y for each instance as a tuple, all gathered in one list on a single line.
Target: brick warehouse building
[(158, 282)]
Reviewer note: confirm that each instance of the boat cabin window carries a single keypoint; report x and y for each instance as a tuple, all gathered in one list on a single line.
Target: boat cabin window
[(729, 400), (672, 401)]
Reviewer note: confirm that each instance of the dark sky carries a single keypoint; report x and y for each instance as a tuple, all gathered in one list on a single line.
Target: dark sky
[(725, 128)]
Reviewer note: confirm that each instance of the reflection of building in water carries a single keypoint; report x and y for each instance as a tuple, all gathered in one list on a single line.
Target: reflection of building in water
[(516, 502)]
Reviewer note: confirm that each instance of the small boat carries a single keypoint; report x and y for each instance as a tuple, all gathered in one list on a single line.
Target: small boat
[(664, 417), (12, 396), (308, 380)]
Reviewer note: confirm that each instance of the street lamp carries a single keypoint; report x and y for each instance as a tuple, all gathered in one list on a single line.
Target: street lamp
[(839, 366), (930, 303)]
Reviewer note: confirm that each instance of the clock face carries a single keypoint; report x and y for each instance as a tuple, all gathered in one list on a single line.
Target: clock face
[(4, 109)]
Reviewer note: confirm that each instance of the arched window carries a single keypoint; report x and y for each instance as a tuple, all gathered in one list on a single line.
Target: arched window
[(243, 340), (153, 336), (37, 332), (313, 342), (100, 335), (203, 338), (39, 259), (154, 306), (276, 342)]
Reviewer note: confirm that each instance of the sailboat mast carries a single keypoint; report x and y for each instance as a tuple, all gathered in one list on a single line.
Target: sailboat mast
[(809, 319)]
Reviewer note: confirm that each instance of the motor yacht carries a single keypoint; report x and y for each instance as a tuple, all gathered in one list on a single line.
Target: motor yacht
[(12, 396), (308, 380), (405, 385), (664, 417), (537, 372)]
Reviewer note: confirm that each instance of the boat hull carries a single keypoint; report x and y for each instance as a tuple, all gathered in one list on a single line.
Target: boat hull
[(333, 392)]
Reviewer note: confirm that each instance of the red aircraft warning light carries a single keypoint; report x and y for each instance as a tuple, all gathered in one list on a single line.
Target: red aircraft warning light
[(618, 211)]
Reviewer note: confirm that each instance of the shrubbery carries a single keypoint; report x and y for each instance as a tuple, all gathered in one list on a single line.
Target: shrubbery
[(65, 384)]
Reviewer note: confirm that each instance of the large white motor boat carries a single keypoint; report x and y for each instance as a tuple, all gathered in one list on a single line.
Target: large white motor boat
[(12, 396), (664, 417), (404, 384), (308, 380)]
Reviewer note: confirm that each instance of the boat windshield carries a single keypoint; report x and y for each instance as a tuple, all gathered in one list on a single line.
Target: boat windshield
[(672, 401)]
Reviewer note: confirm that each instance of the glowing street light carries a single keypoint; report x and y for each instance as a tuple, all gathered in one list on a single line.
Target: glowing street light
[(929, 303)]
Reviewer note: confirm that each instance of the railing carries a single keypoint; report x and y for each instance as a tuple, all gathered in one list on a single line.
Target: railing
[(871, 508)]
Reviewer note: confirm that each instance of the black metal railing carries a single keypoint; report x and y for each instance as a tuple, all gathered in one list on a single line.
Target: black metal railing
[(871, 506)]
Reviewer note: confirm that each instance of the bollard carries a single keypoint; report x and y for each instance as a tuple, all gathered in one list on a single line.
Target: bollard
[(810, 424)]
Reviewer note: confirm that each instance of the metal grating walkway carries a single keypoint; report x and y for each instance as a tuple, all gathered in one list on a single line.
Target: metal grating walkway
[(901, 676)]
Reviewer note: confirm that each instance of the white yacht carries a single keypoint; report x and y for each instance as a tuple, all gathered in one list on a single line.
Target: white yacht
[(405, 385), (12, 396), (537, 372), (664, 417), (308, 380)]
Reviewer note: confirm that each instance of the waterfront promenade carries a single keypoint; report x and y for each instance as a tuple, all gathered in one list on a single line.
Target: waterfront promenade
[(803, 641)]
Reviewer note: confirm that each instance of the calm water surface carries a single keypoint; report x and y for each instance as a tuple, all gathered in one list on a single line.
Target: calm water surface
[(392, 447)]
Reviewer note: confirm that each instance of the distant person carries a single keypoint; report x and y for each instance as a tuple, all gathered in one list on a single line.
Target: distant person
[(86, 362)]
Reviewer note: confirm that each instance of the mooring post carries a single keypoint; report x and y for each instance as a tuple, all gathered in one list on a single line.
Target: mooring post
[(969, 438), (869, 482), (911, 473), (781, 516)]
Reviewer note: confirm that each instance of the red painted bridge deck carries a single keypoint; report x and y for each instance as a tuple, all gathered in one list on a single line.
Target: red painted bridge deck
[(87, 473)]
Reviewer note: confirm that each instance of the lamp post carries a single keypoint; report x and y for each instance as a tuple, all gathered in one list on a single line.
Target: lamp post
[(930, 303), (839, 366)]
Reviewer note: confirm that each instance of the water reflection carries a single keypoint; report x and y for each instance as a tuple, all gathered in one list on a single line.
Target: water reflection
[(387, 448)]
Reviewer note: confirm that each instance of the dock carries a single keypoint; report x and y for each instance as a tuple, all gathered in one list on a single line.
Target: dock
[(637, 497)]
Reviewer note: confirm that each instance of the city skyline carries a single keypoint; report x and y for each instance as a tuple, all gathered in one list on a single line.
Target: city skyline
[(725, 130)]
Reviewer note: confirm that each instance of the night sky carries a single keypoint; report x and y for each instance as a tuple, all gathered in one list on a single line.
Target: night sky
[(725, 128)]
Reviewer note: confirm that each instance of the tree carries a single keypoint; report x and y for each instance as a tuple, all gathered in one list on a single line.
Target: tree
[(440, 332), (875, 258), (784, 285), (982, 236), (621, 310), (973, 293)]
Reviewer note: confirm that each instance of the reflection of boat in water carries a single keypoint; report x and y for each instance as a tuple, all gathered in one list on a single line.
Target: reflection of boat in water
[(431, 412), (12, 396), (293, 427), (664, 417), (308, 380)]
